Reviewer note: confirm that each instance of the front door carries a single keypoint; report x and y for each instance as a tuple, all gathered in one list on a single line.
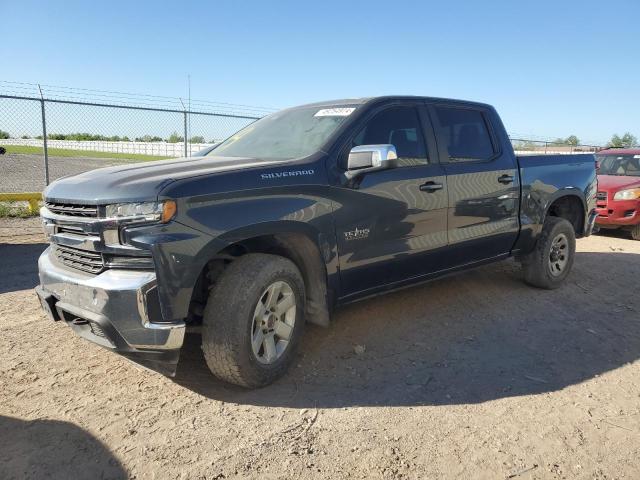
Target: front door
[(392, 223)]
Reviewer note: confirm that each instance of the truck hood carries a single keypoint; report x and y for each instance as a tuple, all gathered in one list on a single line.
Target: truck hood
[(617, 182), (141, 181)]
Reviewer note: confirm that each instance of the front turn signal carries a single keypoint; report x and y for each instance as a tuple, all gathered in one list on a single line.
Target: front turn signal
[(169, 210)]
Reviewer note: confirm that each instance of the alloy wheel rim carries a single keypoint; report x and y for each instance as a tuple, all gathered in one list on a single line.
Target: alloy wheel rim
[(273, 320), (559, 254)]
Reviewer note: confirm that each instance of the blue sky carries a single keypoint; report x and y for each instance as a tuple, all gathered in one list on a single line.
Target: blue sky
[(552, 68)]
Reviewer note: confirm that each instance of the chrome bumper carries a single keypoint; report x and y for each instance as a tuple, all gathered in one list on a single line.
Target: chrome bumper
[(115, 309)]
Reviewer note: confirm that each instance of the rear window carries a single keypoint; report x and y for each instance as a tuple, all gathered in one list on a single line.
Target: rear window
[(466, 134)]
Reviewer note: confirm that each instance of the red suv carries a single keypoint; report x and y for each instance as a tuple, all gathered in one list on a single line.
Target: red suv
[(618, 199)]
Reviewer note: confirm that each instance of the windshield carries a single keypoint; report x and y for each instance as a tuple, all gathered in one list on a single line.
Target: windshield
[(625, 165), (284, 135)]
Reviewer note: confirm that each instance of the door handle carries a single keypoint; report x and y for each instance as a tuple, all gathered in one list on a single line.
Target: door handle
[(505, 179), (431, 187)]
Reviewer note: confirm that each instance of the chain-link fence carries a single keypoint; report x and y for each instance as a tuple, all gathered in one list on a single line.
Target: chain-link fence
[(542, 147), (46, 138)]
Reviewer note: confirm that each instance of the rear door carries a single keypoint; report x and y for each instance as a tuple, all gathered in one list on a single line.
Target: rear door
[(391, 224), (482, 179)]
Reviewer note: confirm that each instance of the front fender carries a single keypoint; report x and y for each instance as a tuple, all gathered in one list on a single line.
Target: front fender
[(177, 252), (182, 248)]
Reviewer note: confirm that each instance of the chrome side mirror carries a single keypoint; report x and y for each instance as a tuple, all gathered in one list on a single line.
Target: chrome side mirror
[(369, 158)]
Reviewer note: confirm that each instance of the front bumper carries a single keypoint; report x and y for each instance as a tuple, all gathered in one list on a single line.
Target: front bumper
[(618, 213), (115, 309)]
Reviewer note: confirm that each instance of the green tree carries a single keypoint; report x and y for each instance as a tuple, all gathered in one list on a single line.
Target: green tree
[(175, 138), (572, 140), (626, 141), (149, 138), (4, 135), (197, 139)]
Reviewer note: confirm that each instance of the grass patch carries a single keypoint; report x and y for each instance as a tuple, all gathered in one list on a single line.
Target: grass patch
[(65, 152), (16, 210)]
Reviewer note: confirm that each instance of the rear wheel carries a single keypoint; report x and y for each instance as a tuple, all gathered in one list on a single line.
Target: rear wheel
[(549, 264), (253, 320)]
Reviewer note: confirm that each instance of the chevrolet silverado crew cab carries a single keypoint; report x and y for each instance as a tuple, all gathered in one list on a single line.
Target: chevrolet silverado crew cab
[(300, 212), (618, 197)]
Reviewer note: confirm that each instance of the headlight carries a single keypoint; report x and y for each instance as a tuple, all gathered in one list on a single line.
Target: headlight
[(630, 194), (145, 211)]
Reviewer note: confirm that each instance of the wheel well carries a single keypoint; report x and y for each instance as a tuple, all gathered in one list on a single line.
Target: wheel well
[(570, 208), (296, 247)]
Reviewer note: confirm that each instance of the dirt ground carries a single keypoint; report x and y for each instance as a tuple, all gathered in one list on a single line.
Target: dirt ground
[(472, 376)]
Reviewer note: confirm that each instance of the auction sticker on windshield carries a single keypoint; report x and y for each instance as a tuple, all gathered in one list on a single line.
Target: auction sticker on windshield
[(335, 112)]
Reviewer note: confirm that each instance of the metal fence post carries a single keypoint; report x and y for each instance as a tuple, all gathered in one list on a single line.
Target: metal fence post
[(44, 138), (185, 134)]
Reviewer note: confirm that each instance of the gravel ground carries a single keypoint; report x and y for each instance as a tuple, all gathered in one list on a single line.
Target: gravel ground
[(25, 173), (472, 376)]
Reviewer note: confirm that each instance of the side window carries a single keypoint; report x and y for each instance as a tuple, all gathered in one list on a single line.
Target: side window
[(400, 127), (466, 133)]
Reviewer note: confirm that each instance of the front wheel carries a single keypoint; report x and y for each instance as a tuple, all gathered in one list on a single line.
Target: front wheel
[(253, 320), (549, 264), (635, 232)]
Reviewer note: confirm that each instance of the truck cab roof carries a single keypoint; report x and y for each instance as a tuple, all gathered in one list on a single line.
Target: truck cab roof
[(390, 98)]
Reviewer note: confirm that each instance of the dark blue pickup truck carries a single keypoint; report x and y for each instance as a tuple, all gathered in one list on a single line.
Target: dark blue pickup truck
[(300, 212)]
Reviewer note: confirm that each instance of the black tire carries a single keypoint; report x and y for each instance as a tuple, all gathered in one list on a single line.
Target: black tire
[(635, 232), (3, 150), (228, 319), (538, 268)]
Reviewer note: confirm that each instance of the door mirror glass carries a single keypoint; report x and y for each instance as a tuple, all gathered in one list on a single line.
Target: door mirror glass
[(376, 157)]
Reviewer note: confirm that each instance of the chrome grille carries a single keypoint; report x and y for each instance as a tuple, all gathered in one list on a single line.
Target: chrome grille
[(73, 210), (84, 260), (71, 230)]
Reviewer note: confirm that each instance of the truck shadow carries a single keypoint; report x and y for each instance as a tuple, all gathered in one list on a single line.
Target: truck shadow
[(614, 233), (19, 265), (53, 449), (465, 339)]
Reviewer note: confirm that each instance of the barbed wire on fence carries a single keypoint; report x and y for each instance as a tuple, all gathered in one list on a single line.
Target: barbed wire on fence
[(128, 99)]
